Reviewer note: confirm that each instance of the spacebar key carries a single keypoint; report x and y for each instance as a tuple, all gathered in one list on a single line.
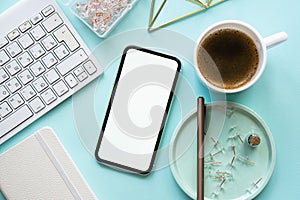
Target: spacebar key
[(72, 62), (14, 120)]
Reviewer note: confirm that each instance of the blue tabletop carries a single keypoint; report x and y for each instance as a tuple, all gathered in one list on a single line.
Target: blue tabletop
[(275, 97)]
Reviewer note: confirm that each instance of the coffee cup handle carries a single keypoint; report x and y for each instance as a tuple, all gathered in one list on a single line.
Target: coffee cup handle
[(275, 39)]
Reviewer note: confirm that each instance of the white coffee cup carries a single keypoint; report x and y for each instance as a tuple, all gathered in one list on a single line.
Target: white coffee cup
[(261, 43)]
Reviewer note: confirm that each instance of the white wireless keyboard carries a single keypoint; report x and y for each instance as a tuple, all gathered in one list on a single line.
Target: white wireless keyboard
[(43, 61)]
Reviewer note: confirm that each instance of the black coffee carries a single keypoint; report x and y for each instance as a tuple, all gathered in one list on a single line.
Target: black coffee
[(228, 58)]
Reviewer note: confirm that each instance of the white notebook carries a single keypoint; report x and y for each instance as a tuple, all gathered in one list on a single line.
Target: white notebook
[(40, 168)]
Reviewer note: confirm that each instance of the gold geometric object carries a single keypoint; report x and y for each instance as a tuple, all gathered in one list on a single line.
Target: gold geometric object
[(203, 6)]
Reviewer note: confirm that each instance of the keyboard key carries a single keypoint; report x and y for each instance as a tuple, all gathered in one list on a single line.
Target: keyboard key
[(61, 52), (14, 49), (26, 41), (16, 101), (13, 85), (5, 109), (37, 105), (13, 35), (37, 51), (52, 22), (25, 59), (48, 10), (52, 76), (64, 34), (78, 71), (71, 81), (90, 67), (3, 42), (48, 96), (3, 76), (14, 120), (37, 68), (3, 58), (49, 43), (25, 26), (28, 92), (25, 77), (49, 60), (72, 62), (36, 19), (40, 84), (38, 33), (82, 76), (13, 67), (3, 93), (60, 88)]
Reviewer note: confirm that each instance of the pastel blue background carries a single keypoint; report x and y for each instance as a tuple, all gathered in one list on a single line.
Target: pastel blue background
[(275, 97)]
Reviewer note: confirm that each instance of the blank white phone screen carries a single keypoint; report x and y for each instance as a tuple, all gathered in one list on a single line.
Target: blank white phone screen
[(138, 109)]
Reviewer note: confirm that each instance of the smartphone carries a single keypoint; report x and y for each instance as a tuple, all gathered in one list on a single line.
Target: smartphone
[(137, 110)]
